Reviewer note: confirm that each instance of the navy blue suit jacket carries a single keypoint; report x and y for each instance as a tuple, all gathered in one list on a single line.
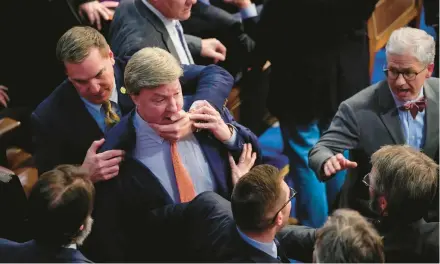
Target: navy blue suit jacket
[(63, 129), (123, 203), (32, 252)]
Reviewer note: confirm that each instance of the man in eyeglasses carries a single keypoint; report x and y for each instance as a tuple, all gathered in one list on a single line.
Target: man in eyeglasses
[(244, 230), (404, 109)]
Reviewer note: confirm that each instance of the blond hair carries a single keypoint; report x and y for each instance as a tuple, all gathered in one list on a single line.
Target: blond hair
[(149, 68), (75, 45)]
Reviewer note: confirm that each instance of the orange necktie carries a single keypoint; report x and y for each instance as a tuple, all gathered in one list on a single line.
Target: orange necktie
[(184, 182)]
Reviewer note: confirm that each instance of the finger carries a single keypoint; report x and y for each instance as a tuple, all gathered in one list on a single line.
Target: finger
[(109, 154), (110, 4), (217, 56), (249, 151), (350, 164), (170, 128), (243, 154), (90, 16), (205, 125), (330, 168), (111, 162), (4, 87), (327, 171), (335, 163), (204, 117), (102, 11), (4, 95), (3, 101), (340, 157), (98, 21), (253, 159), (179, 115), (96, 145), (206, 109), (110, 176), (221, 49), (232, 162)]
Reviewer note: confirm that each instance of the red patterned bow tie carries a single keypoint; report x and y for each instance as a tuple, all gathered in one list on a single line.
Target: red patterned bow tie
[(414, 107)]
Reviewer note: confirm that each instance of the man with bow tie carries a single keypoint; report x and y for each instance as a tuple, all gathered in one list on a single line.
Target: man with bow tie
[(404, 109)]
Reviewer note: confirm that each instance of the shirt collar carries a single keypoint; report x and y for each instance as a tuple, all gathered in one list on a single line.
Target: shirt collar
[(165, 20), (113, 98), (268, 248), (144, 129), (73, 246), (400, 103)]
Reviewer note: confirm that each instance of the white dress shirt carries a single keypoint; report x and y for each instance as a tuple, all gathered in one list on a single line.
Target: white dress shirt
[(185, 56)]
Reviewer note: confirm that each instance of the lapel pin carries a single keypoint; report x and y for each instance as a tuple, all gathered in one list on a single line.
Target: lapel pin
[(123, 90)]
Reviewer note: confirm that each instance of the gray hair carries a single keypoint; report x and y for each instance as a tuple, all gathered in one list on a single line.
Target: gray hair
[(149, 68), (408, 179), (412, 41), (347, 237)]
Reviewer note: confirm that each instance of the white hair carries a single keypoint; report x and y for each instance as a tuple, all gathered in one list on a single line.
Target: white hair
[(414, 42)]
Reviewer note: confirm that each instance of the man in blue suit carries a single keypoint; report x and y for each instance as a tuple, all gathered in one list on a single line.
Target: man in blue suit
[(92, 99), (158, 172), (60, 205)]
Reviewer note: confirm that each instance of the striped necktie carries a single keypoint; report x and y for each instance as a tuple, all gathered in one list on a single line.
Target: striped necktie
[(183, 179), (111, 117)]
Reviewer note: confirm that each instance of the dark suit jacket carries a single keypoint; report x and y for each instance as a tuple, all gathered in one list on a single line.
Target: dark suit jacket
[(411, 243), (64, 129), (363, 124), (209, 21), (119, 199), (415, 242), (212, 234), (134, 27), (32, 252), (328, 64)]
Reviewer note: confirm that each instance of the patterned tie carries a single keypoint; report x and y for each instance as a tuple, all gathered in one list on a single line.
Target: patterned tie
[(414, 107), (183, 42), (184, 182), (111, 117)]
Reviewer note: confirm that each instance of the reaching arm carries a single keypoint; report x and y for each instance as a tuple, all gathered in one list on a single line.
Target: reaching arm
[(211, 83), (343, 134)]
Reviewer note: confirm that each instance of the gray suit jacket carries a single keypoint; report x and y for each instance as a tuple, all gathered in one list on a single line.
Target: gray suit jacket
[(135, 26), (364, 123)]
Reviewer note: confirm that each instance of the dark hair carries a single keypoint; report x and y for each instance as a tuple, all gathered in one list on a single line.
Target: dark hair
[(347, 237), (59, 204), (407, 178), (255, 196)]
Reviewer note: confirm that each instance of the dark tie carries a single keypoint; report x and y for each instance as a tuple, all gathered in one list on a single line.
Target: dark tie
[(414, 107)]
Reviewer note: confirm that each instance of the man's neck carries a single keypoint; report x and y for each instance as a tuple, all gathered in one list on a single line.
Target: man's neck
[(266, 236)]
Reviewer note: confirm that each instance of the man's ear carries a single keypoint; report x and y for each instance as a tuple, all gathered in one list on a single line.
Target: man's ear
[(430, 68), (383, 205), (135, 99)]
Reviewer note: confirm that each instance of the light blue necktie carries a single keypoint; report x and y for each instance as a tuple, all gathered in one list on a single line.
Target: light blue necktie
[(183, 42)]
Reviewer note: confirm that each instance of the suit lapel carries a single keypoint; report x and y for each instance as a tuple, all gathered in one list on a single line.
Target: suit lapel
[(158, 26), (211, 150), (389, 113), (431, 121), (80, 118), (124, 100)]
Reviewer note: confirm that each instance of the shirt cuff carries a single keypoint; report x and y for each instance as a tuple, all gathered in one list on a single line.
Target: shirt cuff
[(250, 11), (231, 141)]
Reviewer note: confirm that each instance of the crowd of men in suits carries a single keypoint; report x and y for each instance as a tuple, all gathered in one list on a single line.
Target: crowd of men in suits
[(138, 140)]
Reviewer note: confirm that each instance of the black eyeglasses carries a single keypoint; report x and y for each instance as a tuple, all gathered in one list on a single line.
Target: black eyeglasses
[(291, 196), (393, 74)]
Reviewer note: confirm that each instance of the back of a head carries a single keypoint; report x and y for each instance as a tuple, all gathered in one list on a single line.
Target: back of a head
[(149, 68), (59, 204), (347, 237), (255, 196), (76, 43), (407, 178)]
